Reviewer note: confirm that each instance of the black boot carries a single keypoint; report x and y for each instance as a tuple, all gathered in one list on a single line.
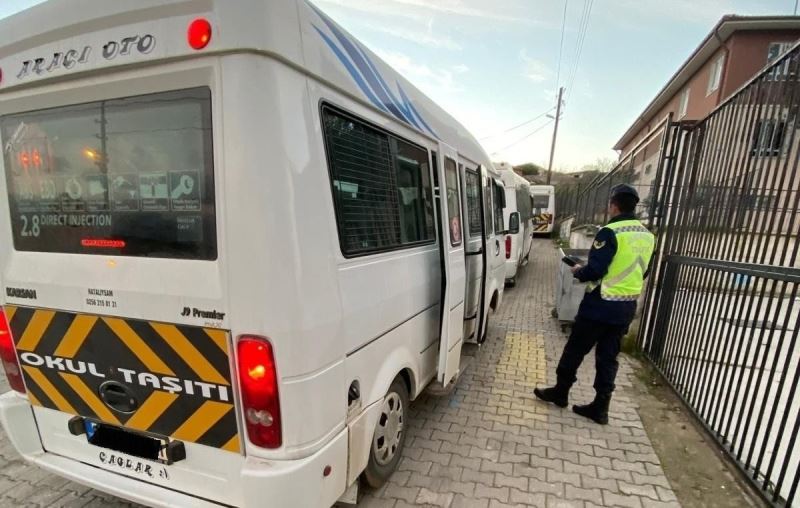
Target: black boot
[(558, 395), (597, 410)]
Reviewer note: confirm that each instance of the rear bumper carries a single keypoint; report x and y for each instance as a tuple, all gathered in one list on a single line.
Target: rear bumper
[(511, 268), (277, 483)]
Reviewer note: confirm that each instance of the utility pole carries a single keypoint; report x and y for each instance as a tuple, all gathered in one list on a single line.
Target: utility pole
[(555, 133)]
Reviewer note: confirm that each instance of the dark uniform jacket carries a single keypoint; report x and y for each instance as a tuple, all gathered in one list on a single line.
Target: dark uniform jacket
[(593, 306)]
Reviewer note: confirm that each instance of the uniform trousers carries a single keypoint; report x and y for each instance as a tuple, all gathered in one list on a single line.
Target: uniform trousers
[(586, 334)]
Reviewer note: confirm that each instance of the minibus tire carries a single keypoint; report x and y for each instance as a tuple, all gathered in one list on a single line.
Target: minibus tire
[(380, 469)]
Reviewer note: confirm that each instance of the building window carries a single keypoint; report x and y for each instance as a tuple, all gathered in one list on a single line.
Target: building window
[(715, 78), (381, 187), (684, 107), (758, 202), (768, 138), (775, 51)]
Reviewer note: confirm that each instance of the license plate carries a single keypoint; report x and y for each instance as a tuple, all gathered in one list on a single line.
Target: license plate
[(133, 444)]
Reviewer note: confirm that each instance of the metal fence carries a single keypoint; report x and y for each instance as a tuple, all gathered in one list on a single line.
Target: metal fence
[(586, 199), (721, 309)]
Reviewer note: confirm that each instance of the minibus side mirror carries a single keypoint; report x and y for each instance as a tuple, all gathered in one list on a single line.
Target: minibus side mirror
[(513, 223)]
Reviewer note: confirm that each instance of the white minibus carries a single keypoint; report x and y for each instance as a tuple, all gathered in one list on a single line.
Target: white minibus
[(543, 202), (234, 246), (518, 215)]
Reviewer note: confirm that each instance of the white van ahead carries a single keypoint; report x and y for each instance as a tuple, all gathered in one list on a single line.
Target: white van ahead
[(233, 245), (543, 202), (518, 216)]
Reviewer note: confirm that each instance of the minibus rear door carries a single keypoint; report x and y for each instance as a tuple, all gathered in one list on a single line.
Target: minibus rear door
[(451, 240)]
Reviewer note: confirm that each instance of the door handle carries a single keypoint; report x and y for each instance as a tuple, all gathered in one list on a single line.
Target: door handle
[(497, 247)]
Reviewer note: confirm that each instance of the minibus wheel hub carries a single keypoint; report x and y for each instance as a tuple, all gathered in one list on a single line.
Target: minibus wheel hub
[(389, 430)]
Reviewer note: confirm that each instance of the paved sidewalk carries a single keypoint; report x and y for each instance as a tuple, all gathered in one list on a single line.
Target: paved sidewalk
[(490, 443)]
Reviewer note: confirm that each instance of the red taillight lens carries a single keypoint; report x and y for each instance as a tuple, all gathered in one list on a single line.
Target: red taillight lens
[(508, 247), (199, 34), (258, 380), (8, 355)]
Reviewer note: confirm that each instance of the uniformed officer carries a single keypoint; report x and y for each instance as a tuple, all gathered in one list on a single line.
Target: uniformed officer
[(618, 263)]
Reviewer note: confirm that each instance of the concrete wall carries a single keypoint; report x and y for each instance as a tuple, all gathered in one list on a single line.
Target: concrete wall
[(582, 237)]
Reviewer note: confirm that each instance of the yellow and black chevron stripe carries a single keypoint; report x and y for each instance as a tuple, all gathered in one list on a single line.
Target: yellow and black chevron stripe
[(541, 222), (179, 375)]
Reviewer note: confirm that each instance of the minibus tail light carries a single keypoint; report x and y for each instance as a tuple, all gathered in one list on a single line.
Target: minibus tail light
[(258, 380), (8, 355), (199, 34), (508, 246)]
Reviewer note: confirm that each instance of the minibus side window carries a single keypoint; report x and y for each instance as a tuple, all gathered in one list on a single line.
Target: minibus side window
[(473, 189), (523, 204), (453, 202), (381, 187), (435, 159), (413, 188), (487, 207), (498, 208)]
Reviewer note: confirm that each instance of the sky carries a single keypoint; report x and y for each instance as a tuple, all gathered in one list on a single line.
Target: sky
[(494, 64)]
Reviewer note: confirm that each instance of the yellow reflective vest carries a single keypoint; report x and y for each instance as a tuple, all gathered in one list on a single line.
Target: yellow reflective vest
[(625, 278)]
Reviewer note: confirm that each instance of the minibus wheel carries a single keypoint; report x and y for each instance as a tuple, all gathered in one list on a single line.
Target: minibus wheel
[(390, 434)]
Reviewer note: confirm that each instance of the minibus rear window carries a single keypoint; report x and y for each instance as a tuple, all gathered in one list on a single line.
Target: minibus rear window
[(129, 177), (541, 201)]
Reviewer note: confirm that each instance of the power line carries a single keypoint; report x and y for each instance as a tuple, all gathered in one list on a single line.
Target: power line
[(581, 40), (561, 45), (518, 126), (579, 44), (523, 138)]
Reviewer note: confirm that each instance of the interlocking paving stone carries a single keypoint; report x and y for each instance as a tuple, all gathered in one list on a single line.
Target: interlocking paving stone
[(568, 456), (490, 442)]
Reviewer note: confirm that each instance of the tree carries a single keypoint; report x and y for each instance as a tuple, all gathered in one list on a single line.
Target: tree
[(529, 169), (601, 165)]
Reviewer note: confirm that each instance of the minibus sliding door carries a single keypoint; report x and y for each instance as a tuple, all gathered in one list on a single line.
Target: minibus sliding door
[(484, 261), (451, 241)]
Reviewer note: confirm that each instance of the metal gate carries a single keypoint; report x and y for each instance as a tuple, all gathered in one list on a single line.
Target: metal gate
[(721, 310)]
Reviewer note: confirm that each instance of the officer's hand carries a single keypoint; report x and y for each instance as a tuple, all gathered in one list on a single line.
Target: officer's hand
[(575, 268)]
